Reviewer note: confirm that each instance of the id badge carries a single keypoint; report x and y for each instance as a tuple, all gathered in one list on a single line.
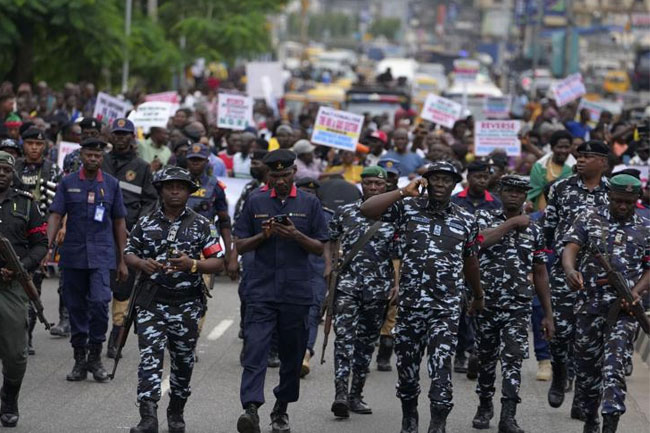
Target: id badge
[(91, 197), (99, 213), (437, 230)]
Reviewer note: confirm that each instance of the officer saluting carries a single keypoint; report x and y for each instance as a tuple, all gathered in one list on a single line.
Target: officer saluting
[(23, 225), (167, 246), (602, 341), (92, 200), (134, 176), (282, 225), (437, 240)]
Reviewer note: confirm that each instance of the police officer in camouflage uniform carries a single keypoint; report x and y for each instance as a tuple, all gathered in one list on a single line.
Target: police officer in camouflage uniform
[(23, 225), (512, 247), (166, 247), (362, 294), (601, 344), (567, 199), (39, 176), (134, 175), (438, 239)]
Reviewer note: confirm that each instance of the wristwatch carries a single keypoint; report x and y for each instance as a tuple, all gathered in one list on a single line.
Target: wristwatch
[(195, 265)]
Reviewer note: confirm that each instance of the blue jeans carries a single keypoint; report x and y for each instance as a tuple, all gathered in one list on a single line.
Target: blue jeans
[(542, 348)]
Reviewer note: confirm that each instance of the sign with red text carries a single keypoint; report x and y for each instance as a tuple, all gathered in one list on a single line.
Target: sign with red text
[(163, 97), (154, 114), (109, 108), (234, 111), (567, 90), (336, 128), (490, 135), (442, 111), (466, 70)]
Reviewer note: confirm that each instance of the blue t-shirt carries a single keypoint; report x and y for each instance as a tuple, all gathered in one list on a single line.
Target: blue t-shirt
[(577, 129), (409, 162)]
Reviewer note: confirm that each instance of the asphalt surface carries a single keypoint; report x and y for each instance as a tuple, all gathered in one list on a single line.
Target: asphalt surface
[(50, 404)]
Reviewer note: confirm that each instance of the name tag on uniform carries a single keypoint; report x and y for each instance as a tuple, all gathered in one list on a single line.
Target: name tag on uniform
[(437, 230), (74, 190), (99, 213), (91, 197)]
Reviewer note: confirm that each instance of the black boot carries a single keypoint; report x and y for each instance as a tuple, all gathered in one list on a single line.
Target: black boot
[(591, 426), (507, 422), (556, 391), (94, 363), (340, 407), (438, 422), (79, 371), (30, 330), (409, 416), (484, 414), (9, 404), (280, 418), (175, 420), (384, 353), (61, 329), (249, 421), (577, 413), (111, 346), (355, 399), (472, 367), (148, 418), (610, 423)]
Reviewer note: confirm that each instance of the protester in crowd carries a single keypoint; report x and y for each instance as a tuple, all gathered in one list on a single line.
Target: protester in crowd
[(554, 166), (410, 162)]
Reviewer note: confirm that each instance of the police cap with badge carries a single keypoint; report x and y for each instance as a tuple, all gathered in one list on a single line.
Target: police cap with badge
[(33, 133), (279, 160), (374, 171), (478, 166), (594, 147), (307, 182), (198, 150), (625, 183), (444, 167), (90, 123), (7, 159), (515, 181), (10, 143), (93, 143), (390, 165), (123, 125), (171, 173)]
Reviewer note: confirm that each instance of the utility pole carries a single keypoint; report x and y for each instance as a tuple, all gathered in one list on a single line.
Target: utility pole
[(535, 44), (152, 10), (568, 36), (127, 33)]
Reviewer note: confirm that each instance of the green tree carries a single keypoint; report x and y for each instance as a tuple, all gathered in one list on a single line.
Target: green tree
[(387, 27)]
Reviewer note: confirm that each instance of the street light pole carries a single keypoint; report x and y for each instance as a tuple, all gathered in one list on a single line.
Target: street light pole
[(127, 33)]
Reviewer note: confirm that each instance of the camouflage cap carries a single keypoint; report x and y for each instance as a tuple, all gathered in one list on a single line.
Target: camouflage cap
[(7, 159), (172, 172)]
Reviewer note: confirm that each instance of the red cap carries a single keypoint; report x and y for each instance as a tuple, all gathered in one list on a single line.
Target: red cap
[(380, 135)]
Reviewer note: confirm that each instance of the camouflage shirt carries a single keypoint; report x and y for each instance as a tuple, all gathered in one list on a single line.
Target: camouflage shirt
[(567, 199), (433, 245), (626, 245), (370, 272), (153, 237), (505, 265)]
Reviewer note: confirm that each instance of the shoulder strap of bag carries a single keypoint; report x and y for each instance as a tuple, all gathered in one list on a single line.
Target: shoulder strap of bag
[(359, 244)]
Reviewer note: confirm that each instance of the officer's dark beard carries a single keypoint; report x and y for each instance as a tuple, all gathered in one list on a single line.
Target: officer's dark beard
[(257, 173)]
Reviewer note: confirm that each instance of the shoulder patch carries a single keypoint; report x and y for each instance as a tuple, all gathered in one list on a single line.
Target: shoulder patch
[(24, 193)]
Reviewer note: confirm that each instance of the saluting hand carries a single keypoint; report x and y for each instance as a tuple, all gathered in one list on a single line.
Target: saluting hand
[(150, 266), (413, 188)]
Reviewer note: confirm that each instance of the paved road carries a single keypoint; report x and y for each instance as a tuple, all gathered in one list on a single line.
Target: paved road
[(49, 404)]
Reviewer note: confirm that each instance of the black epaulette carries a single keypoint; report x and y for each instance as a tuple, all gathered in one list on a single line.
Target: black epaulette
[(24, 193)]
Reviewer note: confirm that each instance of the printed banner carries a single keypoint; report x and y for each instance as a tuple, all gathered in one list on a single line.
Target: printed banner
[(441, 110), (465, 70), (336, 128), (234, 111), (567, 90), (171, 96), (490, 135), (154, 114), (109, 108), (497, 107)]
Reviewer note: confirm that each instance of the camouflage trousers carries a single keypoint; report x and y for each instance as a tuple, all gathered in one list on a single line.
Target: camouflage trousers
[(501, 335), (174, 327), (357, 324), (563, 301), (600, 352), (436, 332)]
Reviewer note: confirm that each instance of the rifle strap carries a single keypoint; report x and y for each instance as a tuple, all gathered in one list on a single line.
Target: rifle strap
[(359, 244)]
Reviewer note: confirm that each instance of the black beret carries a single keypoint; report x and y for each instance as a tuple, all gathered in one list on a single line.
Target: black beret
[(308, 182), (595, 147), (514, 181), (258, 154), (90, 123), (33, 133), (181, 142), (559, 135), (93, 143), (478, 165), (279, 159)]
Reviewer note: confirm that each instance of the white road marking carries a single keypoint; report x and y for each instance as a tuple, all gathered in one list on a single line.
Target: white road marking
[(220, 329)]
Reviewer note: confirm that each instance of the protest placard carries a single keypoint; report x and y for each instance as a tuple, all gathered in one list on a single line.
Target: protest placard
[(171, 96), (441, 110), (234, 111), (336, 128), (466, 70), (109, 108), (65, 148), (490, 135), (597, 107), (255, 73), (568, 89), (152, 114), (497, 107)]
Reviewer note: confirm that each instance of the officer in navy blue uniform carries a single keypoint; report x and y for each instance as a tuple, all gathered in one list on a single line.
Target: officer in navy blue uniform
[(93, 203), (283, 225)]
